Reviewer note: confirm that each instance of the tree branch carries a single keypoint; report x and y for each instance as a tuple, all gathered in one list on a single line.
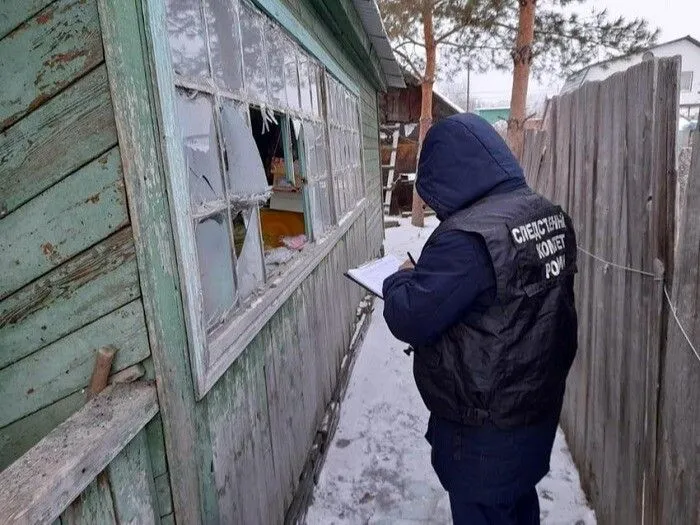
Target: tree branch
[(410, 63)]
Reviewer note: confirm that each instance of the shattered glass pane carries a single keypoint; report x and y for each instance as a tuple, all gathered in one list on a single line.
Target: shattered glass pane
[(291, 75), (225, 43), (304, 84), (248, 246), (244, 168), (310, 143), (324, 202), (202, 156), (186, 37), (321, 151), (253, 53), (215, 268), (275, 64), (316, 210), (314, 87)]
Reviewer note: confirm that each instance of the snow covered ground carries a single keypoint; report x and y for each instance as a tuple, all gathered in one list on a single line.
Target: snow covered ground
[(378, 467)]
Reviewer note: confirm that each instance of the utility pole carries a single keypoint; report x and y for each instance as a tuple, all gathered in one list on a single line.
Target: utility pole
[(522, 59)]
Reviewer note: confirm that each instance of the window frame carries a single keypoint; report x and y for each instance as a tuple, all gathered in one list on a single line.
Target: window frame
[(211, 357), (691, 75)]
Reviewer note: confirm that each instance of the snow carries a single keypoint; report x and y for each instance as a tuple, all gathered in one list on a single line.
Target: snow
[(378, 467)]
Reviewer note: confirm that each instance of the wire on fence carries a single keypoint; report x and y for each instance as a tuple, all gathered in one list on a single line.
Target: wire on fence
[(656, 278)]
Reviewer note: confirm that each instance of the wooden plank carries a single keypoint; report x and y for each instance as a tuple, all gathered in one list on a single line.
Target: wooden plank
[(132, 485), (94, 505), (140, 73), (46, 54), (156, 447), (677, 460), (18, 437), (63, 221), (42, 483), (13, 14), (64, 367), (69, 130), (92, 284), (241, 441), (163, 495)]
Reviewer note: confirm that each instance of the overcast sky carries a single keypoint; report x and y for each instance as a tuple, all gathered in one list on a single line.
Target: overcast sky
[(675, 18)]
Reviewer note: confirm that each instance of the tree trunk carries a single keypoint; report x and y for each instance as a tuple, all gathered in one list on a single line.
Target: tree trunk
[(426, 107), (522, 58)]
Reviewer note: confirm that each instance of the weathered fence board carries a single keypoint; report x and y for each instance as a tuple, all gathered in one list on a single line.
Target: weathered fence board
[(678, 458), (46, 54), (71, 129), (612, 147), (94, 283), (52, 228)]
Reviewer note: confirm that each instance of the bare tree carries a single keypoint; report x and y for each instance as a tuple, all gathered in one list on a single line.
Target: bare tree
[(442, 37)]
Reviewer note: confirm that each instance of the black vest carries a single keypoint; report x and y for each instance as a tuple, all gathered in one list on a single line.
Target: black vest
[(507, 364)]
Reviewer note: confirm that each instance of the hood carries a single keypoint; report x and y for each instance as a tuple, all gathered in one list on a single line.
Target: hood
[(462, 161)]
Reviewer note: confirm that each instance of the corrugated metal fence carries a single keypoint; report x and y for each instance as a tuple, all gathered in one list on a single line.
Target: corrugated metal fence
[(632, 413)]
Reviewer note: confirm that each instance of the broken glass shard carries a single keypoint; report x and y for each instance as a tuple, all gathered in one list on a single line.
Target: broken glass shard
[(215, 268), (244, 167), (202, 155), (247, 242)]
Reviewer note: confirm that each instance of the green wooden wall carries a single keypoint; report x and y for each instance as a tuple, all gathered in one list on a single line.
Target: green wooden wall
[(69, 281)]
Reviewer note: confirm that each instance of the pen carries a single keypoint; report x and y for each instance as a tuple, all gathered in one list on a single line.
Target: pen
[(410, 258)]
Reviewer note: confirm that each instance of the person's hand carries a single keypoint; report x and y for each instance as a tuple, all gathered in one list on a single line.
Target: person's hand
[(407, 265)]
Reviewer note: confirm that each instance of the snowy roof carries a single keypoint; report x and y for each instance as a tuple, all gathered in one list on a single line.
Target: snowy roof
[(447, 101), (374, 27)]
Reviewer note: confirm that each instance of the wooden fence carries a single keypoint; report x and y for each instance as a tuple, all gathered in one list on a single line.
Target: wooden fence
[(632, 412)]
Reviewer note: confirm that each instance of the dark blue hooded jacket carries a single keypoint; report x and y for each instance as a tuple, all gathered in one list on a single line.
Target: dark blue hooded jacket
[(464, 160)]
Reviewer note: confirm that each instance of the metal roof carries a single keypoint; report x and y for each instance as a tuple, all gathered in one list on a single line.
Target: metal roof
[(374, 27)]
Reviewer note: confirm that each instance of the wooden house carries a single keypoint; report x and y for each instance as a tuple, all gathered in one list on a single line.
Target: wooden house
[(399, 115), (184, 181)]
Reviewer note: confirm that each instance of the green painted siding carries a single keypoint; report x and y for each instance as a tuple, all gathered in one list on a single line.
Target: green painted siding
[(68, 274)]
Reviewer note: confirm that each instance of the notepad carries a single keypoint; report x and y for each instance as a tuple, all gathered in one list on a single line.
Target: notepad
[(371, 275)]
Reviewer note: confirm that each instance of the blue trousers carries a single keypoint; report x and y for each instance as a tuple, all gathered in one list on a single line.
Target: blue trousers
[(490, 473), (525, 511)]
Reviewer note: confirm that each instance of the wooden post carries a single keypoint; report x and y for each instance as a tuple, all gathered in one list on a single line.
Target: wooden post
[(522, 58), (100, 373)]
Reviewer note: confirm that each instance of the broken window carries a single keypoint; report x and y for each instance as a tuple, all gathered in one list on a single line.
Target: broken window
[(270, 147)]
